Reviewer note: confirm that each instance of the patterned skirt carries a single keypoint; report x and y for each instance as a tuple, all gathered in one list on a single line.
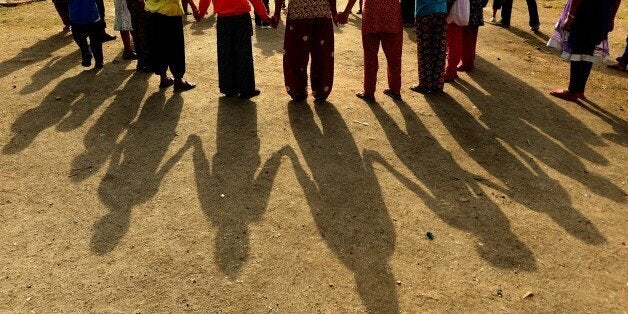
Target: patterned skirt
[(123, 16)]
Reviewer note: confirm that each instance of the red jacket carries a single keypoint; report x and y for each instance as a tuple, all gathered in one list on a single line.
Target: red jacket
[(233, 7)]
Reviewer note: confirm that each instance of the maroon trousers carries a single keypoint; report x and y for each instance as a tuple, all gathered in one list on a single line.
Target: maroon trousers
[(307, 38), (392, 45), (461, 45)]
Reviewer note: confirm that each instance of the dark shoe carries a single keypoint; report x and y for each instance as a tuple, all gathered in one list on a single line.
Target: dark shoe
[(106, 37), (166, 83), (450, 79), (87, 60), (535, 28), (251, 94), (365, 97), (129, 55), (359, 12), (391, 94), (67, 28), (566, 95), (99, 65), (184, 87)]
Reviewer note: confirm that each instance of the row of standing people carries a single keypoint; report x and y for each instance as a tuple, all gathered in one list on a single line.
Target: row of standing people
[(444, 46)]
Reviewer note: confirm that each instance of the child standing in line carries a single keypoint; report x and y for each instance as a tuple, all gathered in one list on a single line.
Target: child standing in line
[(470, 35), (86, 24), (455, 25), (431, 33), (236, 75), (167, 42), (462, 41), (381, 24), (124, 25), (309, 34), (139, 23)]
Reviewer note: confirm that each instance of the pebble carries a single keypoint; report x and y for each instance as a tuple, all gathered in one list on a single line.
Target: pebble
[(430, 235)]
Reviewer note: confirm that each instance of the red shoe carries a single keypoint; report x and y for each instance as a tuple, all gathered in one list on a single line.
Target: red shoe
[(566, 95)]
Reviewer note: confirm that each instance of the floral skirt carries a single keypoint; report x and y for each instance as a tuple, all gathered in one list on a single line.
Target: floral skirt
[(123, 16)]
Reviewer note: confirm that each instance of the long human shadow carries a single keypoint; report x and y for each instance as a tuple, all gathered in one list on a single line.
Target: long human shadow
[(136, 170), (524, 178), (619, 125), (67, 107), (532, 124), (55, 67), (459, 202), (101, 140), (233, 191), (346, 202), (39, 51)]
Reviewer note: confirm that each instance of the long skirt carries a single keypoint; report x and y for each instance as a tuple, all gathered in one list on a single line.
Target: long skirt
[(236, 74)]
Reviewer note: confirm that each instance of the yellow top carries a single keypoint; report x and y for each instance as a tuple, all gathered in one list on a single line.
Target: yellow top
[(165, 7)]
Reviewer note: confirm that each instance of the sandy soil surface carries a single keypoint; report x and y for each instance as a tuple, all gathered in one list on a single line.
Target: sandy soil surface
[(118, 197)]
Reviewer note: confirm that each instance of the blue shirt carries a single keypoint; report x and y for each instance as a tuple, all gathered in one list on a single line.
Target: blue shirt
[(426, 7), (83, 11)]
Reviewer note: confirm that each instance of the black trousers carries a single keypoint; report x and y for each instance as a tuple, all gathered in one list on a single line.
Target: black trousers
[(101, 10), (533, 12), (236, 74), (80, 33), (497, 5), (167, 45), (407, 11), (258, 20), (139, 20)]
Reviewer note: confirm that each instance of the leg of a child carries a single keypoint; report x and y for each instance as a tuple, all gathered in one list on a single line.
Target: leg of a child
[(469, 43), (370, 44), (533, 13), (392, 44), (322, 51), (95, 43), (62, 9), (296, 56), (244, 53), (454, 50), (80, 38), (126, 41)]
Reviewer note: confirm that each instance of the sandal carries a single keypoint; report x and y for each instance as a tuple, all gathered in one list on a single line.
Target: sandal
[(166, 83), (391, 94), (364, 96), (182, 87)]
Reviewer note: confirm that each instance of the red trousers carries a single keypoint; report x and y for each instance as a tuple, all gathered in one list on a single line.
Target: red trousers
[(461, 44), (305, 39), (392, 44)]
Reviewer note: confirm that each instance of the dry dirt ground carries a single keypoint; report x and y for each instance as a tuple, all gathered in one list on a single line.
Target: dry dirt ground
[(118, 197)]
